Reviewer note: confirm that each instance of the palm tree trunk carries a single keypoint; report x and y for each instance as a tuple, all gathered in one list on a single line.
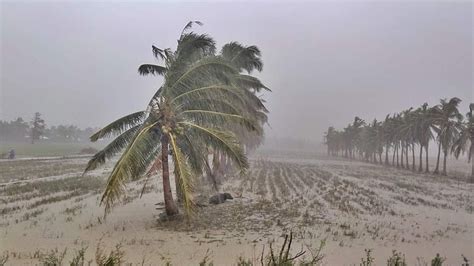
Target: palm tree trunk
[(413, 166), (398, 165), (472, 170), (427, 167), (386, 155), (402, 152), (445, 151), (472, 165), (420, 168), (406, 156), (436, 171), (393, 157), (170, 206), (472, 160)]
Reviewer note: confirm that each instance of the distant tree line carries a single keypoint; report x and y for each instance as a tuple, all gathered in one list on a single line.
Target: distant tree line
[(36, 129), (407, 135)]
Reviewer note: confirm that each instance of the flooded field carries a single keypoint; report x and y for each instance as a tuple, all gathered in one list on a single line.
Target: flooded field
[(48, 207)]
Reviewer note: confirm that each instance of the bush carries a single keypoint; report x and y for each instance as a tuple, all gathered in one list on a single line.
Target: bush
[(397, 259)]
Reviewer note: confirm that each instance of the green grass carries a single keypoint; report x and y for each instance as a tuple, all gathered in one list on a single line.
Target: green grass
[(47, 148)]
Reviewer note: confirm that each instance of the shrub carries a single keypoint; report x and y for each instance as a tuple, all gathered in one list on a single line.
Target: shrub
[(397, 259)]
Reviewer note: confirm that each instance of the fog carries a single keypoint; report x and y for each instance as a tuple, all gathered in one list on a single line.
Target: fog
[(325, 62)]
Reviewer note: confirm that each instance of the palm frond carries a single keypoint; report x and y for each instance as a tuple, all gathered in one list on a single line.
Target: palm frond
[(250, 82), (155, 167), (223, 141), (192, 46), (134, 161), (183, 175), (158, 53), (119, 143), (207, 92), (223, 119), (156, 70), (197, 152), (189, 25), (205, 72), (119, 125), (243, 57)]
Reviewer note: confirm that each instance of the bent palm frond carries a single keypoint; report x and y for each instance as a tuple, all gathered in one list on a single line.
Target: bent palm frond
[(131, 165), (250, 82), (156, 70), (191, 45), (222, 141), (183, 175), (158, 53), (243, 57), (225, 120), (119, 125), (111, 149), (189, 25), (210, 68)]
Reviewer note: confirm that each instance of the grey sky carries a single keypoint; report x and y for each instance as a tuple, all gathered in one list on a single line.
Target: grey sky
[(325, 61)]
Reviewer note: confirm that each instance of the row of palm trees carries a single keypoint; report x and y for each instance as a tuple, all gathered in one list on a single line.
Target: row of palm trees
[(208, 104), (407, 135)]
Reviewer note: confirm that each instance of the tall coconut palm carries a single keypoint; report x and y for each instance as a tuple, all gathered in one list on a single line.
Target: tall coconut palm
[(465, 141), (245, 59), (403, 131), (424, 133), (379, 139), (200, 99), (447, 119), (330, 140), (355, 130), (387, 136), (406, 132)]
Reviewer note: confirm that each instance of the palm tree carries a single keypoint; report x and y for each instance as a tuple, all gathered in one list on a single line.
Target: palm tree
[(330, 140), (245, 59), (447, 119), (354, 134), (387, 136), (403, 131), (465, 141), (202, 96), (423, 133)]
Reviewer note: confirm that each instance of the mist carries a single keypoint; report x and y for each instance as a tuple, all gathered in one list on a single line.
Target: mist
[(325, 62), (112, 165)]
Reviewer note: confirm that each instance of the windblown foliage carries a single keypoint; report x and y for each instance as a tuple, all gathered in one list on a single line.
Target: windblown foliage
[(203, 105), (400, 133)]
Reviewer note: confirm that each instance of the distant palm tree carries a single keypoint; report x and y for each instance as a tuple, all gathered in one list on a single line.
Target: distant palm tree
[(465, 141), (424, 133), (407, 132), (330, 140), (387, 136), (447, 119), (201, 98), (401, 132)]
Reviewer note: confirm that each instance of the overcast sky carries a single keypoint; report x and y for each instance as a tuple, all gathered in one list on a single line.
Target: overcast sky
[(326, 62)]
